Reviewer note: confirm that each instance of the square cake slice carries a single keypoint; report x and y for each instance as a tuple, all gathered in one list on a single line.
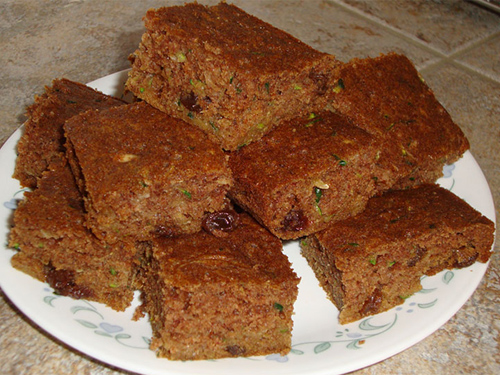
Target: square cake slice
[(43, 138), (387, 97), (227, 72), (372, 262), (142, 172), (55, 247), (305, 174), (211, 297)]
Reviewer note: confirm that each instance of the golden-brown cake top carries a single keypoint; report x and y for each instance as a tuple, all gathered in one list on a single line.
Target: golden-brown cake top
[(135, 150), (402, 215), (241, 40), (304, 148), (248, 254), (69, 98), (66, 98), (386, 96), (42, 140)]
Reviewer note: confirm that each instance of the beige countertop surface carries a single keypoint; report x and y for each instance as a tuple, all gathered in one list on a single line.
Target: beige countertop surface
[(455, 44)]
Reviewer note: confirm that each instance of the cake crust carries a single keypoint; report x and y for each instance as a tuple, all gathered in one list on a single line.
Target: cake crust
[(42, 140), (305, 174), (54, 246), (227, 72), (387, 97), (372, 262), (214, 297), (143, 172)]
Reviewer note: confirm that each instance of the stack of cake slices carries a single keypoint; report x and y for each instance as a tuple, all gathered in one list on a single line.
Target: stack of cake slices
[(240, 136)]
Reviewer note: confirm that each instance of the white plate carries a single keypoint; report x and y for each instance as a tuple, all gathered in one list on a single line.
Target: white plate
[(319, 346)]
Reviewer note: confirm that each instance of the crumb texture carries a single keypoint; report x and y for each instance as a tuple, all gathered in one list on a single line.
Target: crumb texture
[(213, 297), (142, 172), (227, 72), (372, 262)]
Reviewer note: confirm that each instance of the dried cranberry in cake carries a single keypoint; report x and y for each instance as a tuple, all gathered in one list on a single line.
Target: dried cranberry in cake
[(190, 101), (220, 222), (372, 303), (63, 282), (295, 221)]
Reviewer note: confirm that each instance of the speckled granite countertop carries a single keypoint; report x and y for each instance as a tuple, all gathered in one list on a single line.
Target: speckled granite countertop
[(454, 43)]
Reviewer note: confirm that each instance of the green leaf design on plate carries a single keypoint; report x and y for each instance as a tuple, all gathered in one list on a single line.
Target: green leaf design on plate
[(353, 345), (365, 325), (447, 277), (102, 333), (322, 347), (86, 323), (452, 185), (120, 336), (426, 291), (123, 336), (21, 191), (353, 339), (75, 309), (427, 305), (78, 308), (49, 299)]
